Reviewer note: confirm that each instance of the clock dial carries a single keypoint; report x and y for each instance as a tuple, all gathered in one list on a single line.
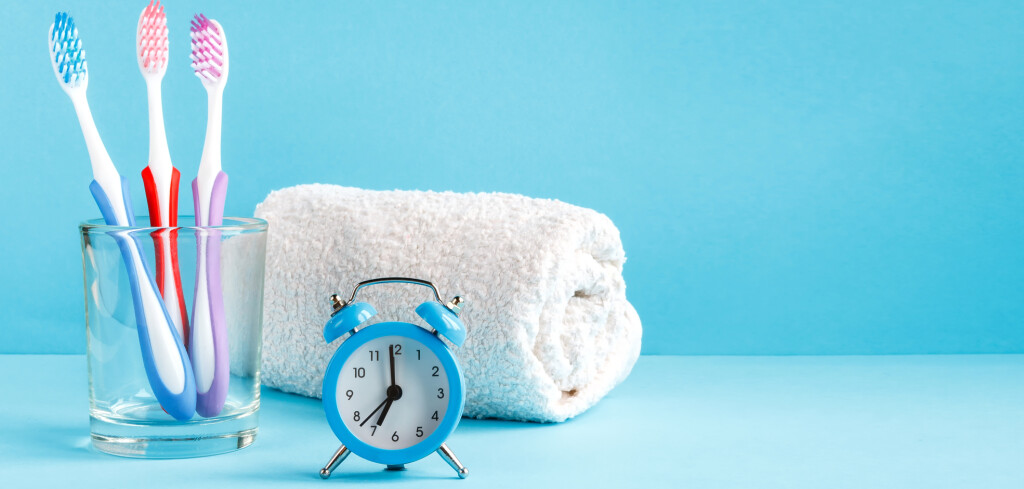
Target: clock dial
[(392, 407)]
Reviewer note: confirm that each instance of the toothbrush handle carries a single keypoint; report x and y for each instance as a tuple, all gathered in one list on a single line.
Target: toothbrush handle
[(165, 242), (209, 330), (167, 367)]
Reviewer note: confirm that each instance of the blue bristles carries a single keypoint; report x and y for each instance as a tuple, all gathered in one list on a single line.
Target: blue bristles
[(66, 49)]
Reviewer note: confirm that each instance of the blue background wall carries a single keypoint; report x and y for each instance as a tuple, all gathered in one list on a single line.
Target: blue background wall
[(788, 178)]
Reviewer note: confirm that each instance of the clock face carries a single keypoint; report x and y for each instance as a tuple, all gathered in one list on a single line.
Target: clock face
[(392, 407)]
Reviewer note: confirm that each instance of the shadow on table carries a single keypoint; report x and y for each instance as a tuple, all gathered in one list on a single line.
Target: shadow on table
[(361, 475)]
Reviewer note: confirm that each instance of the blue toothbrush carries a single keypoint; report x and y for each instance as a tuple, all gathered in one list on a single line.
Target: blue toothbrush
[(167, 365)]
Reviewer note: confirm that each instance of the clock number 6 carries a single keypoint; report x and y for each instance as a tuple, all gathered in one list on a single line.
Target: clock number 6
[(394, 436)]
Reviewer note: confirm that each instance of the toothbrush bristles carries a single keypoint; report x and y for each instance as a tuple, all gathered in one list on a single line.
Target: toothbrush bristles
[(66, 50), (207, 49), (152, 38)]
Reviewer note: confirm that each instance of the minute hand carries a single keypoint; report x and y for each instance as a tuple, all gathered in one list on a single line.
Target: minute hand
[(391, 353), (392, 390)]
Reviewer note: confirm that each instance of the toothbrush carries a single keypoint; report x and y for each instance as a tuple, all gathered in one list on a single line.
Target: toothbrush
[(208, 347), (163, 354), (160, 177)]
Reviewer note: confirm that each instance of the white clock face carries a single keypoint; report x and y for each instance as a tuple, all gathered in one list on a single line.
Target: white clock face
[(392, 413)]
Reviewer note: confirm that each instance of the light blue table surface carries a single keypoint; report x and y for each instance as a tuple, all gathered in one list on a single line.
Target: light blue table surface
[(758, 422)]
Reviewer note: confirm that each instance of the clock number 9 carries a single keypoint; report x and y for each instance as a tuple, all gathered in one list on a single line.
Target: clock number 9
[(349, 393)]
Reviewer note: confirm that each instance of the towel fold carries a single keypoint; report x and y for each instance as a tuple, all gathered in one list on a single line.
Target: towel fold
[(550, 331)]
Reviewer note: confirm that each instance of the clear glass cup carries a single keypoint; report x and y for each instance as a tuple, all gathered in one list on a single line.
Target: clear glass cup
[(125, 417)]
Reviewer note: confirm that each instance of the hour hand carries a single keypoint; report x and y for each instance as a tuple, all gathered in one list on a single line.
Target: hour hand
[(384, 413), (368, 416)]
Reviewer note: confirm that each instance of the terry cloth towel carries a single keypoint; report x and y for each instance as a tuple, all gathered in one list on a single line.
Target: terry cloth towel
[(549, 329)]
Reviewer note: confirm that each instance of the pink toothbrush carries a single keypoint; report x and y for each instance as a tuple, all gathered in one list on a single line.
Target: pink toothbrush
[(160, 177), (209, 345)]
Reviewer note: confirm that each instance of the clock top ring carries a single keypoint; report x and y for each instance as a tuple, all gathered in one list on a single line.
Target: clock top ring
[(443, 317)]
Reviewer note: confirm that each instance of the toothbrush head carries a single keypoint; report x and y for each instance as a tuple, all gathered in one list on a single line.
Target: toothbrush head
[(151, 40), (209, 51), (66, 53)]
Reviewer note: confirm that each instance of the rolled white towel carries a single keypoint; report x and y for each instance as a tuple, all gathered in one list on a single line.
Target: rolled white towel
[(549, 329)]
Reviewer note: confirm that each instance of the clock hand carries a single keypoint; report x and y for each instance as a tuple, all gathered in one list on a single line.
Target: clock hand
[(375, 412), (384, 413), (391, 352), (394, 392)]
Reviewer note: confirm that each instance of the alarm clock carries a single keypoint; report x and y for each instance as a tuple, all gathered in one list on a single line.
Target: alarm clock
[(393, 391)]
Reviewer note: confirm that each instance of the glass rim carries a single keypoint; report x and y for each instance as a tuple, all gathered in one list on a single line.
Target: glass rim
[(237, 224)]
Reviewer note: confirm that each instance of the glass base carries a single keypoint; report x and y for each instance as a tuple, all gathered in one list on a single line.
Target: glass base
[(171, 439)]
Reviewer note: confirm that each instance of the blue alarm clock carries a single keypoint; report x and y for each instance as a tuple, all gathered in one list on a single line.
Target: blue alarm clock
[(393, 392)]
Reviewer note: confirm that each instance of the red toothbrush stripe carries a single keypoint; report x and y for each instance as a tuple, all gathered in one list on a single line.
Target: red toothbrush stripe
[(160, 237)]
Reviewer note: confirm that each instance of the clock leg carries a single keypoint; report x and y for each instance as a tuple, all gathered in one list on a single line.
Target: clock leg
[(449, 456), (336, 460)]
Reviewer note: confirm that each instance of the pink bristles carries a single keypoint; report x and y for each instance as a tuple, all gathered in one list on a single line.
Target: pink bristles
[(207, 49), (152, 37)]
